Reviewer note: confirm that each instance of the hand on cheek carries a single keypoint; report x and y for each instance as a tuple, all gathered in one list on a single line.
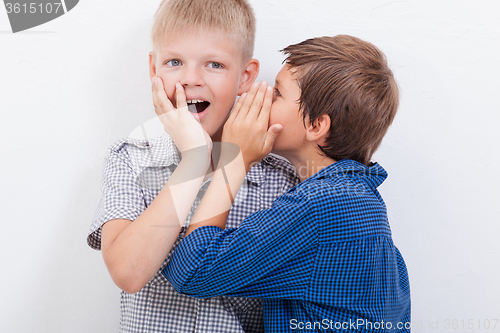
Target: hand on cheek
[(247, 125), (186, 132)]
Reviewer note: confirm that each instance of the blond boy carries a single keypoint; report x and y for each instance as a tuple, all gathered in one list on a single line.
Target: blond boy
[(149, 186)]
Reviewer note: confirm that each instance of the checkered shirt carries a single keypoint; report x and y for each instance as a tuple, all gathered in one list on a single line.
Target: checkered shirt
[(322, 256), (134, 173)]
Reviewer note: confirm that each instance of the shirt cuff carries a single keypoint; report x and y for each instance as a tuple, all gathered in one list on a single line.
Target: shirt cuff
[(202, 235), (189, 255)]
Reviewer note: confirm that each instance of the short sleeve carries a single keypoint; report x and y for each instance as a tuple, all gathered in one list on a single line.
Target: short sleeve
[(121, 198)]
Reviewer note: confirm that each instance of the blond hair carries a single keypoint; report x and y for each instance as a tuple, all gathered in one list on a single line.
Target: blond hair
[(234, 17)]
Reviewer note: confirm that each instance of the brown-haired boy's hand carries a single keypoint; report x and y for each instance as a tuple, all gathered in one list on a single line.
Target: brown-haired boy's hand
[(247, 126)]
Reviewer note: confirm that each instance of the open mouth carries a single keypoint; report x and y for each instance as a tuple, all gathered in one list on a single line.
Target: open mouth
[(197, 105)]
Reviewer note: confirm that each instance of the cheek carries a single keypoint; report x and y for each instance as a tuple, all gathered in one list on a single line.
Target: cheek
[(274, 115), (225, 92), (169, 86)]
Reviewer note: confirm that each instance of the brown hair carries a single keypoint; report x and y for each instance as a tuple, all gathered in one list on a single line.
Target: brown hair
[(234, 17), (349, 80)]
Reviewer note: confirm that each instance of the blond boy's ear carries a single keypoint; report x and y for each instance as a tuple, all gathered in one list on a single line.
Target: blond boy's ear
[(318, 130), (152, 65), (248, 76)]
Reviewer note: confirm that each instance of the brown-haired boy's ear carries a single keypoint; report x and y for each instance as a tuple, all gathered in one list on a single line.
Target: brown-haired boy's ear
[(318, 131), (152, 65), (248, 76)]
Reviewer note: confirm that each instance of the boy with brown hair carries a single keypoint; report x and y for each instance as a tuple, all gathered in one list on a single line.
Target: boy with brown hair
[(152, 187), (322, 257)]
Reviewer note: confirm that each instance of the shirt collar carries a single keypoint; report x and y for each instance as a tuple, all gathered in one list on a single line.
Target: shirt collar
[(256, 174), (156, 152), (373, 174), (163, 153)]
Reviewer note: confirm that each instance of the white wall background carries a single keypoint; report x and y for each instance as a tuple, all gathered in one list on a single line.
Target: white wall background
[(73, 86)]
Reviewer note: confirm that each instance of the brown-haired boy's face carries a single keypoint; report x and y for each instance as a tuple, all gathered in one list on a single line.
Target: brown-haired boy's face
[(285, 111), (209, 66)]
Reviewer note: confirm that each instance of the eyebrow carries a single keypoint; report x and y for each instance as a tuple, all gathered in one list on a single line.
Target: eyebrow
[(175, 54)]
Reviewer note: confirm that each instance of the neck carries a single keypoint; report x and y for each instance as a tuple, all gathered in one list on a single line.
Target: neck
[(310, 163), (216, 138)]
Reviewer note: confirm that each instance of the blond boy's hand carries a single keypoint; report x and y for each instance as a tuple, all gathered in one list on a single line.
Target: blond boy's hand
[(247, 125), (186, 132)]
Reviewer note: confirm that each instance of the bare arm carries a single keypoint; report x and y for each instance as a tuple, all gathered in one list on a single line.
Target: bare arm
[(217, 201), (247, 127), (134, 252)]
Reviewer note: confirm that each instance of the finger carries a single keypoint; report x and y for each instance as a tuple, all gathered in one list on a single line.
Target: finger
[(160, 100), (266, 106), (237, 107), (180, 96), (258, 101), (273, 132), (247, 102)]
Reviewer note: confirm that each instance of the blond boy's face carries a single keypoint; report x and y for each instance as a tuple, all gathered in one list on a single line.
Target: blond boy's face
[(209, 66)]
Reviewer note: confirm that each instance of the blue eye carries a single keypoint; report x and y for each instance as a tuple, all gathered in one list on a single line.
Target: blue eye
[(215, 65), (173, 62)]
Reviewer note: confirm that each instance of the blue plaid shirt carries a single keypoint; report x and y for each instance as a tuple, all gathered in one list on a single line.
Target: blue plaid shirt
[(321, 257)]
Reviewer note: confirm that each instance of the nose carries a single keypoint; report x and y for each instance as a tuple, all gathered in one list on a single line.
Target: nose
[(192, 77)]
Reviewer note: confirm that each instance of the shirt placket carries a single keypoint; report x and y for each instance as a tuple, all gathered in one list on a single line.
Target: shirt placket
[(203, 317), (203, 305)]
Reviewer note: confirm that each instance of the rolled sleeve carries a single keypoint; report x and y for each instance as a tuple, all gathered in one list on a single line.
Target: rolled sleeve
[(122, 198), (269, 255)]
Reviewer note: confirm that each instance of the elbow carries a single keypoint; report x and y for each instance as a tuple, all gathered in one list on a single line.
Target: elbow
[(129, 286), (129, 282), (129, 278), (174, 280)]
